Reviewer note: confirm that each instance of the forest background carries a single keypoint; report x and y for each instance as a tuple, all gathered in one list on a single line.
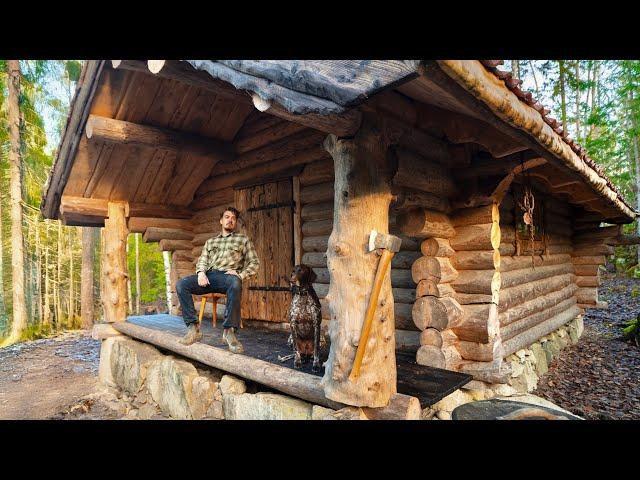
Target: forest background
[(597, 101)]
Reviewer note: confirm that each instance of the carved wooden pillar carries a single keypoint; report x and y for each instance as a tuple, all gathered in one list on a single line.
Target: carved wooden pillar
[(363, 169), (114, 263)]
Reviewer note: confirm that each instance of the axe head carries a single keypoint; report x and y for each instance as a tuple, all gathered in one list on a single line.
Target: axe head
[(384, 240)]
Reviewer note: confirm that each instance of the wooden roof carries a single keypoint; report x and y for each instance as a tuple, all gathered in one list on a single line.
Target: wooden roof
[(211, 101)]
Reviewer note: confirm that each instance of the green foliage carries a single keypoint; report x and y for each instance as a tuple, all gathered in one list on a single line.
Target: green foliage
[(631, 330), (152, 278)]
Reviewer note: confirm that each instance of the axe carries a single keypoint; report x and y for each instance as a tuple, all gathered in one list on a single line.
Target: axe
[(389, 245)]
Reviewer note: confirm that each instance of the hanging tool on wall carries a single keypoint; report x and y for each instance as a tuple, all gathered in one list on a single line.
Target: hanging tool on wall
[(390, 245), (527, 205)]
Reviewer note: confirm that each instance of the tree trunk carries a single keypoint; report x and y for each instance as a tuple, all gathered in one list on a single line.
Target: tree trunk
[(167, 276), (137, 236), (72, 306), (636, 158), (86, 286), (38, 271), (2, 298), (114, 264), (362, 198), (535, 78), (129, 291), (515, 68), (577, 74), (46, 317), (59, 279), (563, 101), (19, 322)]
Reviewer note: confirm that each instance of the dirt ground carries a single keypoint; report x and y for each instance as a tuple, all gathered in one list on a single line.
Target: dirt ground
[(55, 378)]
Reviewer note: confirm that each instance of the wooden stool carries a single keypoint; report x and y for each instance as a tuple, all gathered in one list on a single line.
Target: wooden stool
[(214, 301)]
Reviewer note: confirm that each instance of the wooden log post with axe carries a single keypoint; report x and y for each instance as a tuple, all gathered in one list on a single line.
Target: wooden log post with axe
[(390, 245)]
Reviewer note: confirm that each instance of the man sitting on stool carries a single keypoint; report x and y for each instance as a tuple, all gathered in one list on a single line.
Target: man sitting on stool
[(226, 260)]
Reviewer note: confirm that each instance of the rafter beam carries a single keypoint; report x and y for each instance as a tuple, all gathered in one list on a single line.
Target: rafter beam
[(127, 133), (71, 207)]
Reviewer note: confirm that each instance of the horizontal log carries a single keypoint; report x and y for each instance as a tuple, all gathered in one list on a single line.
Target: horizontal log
[(317, 227), (589, 260), (558, 229), (478, 237), (404, 295), (103, 129), (317, 211), (289, 164), (318, 193), (201, 238), (478, 216), (472, 298), (585, 270), (422, 223), (406, 199), (530, 307), (472, 326), (625, 240), (556, 239), (482, 352), (253, 140), (315, 244), (479, 281), (430, 356), (291, 382), (435, 312), (431, 336), (603, 233), (436, 247), (591, 250), (510, 297), (402, 314), (97, 207), (169, 245), (182, 256), (417, 173), (551, 216), (211, 215), (210, 199), (154, 234), (320, 171), (438, 269), (140, 224), (207, 227), (587, 295), (533, 333), (591, 281), (435, 289), (554, 249)]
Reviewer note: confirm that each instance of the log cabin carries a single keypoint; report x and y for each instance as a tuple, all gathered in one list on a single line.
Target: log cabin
[(504, 219)]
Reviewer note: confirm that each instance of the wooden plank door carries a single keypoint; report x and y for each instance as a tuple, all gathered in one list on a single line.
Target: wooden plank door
[(266, 213)]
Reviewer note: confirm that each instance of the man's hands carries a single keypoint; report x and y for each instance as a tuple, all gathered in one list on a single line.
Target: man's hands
[(203, 281), (233, 272)]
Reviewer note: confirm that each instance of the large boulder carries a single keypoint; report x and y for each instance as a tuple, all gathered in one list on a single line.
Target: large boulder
[(179, 390), (129, 362), (541, 359), (265, 406)]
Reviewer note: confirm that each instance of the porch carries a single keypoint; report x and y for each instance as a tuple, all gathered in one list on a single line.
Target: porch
[(427, 384)]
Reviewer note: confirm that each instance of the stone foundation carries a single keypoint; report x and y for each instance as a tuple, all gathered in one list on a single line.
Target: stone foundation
[(527, 365), (153, 383)]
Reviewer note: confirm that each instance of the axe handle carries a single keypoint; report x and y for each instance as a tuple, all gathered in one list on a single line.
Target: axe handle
[(383, 266)]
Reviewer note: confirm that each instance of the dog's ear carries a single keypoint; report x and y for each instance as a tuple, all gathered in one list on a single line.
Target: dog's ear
[(311, 276)]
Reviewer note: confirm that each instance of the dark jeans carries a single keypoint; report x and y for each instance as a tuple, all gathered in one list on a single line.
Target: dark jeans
[(219, 282)]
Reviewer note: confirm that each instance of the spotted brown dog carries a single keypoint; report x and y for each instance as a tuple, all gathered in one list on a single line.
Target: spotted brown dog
[(305, 316)]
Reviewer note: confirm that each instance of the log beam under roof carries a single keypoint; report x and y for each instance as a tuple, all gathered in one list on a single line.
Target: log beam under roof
[(120, 132), (98, 207)]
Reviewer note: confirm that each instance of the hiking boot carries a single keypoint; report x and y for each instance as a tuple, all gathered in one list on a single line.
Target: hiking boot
[(192, 336), (229, 337)]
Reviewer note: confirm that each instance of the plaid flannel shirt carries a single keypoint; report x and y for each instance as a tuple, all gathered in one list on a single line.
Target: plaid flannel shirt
[(231, 252)]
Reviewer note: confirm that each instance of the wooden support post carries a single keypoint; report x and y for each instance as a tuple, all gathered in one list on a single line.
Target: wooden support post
[(362, 198), (114, 263)]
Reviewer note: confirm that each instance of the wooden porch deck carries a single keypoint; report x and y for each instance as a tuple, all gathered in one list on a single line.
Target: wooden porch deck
[(428, 384)]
